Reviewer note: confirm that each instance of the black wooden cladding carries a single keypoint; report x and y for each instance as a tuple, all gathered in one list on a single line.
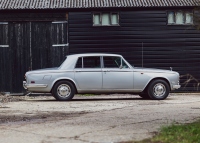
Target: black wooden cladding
[(30, 46), (33, 16), (163, 45), (45, 35)]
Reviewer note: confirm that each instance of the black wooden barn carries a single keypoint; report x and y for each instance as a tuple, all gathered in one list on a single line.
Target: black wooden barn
[(151, 33)]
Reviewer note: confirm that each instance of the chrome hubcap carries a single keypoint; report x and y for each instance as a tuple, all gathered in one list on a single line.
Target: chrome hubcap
[(63, 90), (159, 89)]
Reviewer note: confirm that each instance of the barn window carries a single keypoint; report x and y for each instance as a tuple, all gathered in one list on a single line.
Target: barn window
[(180, 17), (114, 19), (96, 20), (189, 18), (106, 19), (4, 40), (59, 38), (171, 17)]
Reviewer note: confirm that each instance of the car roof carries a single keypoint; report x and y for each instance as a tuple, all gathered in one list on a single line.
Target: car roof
[(93, 54)]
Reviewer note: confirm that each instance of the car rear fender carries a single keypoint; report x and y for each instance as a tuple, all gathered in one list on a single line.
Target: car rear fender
[(64, 79)]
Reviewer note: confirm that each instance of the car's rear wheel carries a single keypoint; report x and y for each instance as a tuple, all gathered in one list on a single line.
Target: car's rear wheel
[(63, 91), (158, 89)]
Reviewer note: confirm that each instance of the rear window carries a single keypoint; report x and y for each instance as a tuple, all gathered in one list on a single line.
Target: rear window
[(89, 62)]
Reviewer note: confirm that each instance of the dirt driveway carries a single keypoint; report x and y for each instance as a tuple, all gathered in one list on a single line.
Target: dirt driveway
[(101, 119)]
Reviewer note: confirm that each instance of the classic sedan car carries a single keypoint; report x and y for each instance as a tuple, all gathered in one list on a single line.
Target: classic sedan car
[(101, 73)]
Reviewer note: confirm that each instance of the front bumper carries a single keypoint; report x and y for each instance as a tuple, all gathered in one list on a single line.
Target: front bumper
[(27, 86), (176, 86)]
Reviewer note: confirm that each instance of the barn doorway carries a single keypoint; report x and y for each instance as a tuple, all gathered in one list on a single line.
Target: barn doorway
[(28, 46)]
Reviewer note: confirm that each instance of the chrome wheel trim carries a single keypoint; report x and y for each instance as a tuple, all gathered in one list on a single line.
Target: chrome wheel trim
[(64, 90), (159, 90)]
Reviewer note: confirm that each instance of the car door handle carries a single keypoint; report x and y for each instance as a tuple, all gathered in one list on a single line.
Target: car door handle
[(77, 71), (107, 71)]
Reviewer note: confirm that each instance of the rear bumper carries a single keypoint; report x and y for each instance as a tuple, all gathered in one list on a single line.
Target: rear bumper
[(27, 86)]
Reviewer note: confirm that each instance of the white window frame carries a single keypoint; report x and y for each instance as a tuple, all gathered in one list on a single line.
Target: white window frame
[(192, 14), (60, 45), (110, 18), (4, 46), (184, 17)]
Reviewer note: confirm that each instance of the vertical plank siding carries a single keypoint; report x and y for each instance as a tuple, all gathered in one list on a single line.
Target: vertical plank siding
[(59, 36), (30, 47), (163, 45), (41, 43), (5, 67), (19, 54)]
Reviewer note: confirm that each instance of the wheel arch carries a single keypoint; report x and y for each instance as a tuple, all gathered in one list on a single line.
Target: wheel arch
[(157, 78), (69, 80)]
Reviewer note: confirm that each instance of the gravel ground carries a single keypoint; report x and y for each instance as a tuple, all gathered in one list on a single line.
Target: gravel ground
[(98, 119)]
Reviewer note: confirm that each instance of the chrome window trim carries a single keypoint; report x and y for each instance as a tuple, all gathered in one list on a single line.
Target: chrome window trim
[(4, 46), (60, 45)]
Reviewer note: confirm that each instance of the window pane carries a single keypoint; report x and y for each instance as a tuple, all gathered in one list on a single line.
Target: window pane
[(189, 18), (79, 63), (171, 17), (124, 65), (112, 62), (4, 33), (105, 19), (179, 18), (91, 62), (96, 19), (57, 28), (114, 18)]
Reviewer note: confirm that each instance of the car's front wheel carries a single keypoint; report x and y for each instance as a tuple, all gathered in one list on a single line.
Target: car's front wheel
[(63, 91), (158, 89)]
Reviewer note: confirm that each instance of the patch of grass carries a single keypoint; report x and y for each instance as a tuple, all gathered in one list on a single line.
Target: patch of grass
[(186, 133)]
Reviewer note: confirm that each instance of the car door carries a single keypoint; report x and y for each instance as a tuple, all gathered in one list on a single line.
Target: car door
[(88, 73), (116, 74)]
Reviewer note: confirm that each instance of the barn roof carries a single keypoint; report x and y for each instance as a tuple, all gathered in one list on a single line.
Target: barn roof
[(62, 4)]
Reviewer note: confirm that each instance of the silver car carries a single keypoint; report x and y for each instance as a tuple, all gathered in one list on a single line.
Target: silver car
[(101, 73)]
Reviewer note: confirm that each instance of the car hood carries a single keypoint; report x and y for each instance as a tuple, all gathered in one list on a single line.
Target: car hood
[(42, 70), (139, 69)]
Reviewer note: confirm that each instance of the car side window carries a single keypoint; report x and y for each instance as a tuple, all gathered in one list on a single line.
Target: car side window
[(79, 63), (124, 65), (112, 62), (91, 62)]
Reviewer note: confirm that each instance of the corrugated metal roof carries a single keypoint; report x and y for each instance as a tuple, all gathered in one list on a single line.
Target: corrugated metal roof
[(60, 4)]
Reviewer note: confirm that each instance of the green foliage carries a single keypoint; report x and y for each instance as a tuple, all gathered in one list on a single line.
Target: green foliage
[(189, 133)]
